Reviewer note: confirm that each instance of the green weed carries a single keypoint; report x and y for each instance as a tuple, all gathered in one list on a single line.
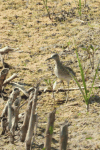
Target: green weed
[(79, 114), (89, 138), (80, 9), (47, 9), (91, 52), (85, 92)]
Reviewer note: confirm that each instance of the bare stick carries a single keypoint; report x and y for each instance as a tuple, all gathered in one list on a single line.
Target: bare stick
[(3, 75), (20, 87), (11, 132), (16, 110), (63, 90), (32, 120), (2, 60), (11, 99), (35, 130), (49, 130), (30, 89), (14, 121), (30, 132), (10, 79), (6, 50), (24, 127), (30, 97), (9, 116), (3, 125), (63, 137), (26, 122)]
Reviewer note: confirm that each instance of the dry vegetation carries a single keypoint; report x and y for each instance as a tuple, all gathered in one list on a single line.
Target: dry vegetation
[(36, 37)]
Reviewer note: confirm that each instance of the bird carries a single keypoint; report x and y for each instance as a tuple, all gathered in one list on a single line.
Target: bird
[(62, 72)]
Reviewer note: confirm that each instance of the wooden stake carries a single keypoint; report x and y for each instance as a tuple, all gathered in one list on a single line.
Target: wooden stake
[(49, 130), (63, 137), (32, 120)]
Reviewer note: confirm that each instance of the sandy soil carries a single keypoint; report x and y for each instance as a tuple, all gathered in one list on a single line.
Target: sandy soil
[(29, 29)]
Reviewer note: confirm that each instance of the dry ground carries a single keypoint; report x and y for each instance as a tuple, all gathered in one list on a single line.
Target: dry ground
[(36, 36)]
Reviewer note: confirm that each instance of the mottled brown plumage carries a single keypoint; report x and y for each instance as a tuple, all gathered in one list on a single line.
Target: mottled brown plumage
[(62, 72)]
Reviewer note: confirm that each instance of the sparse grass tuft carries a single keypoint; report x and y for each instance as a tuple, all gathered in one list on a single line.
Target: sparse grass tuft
[(85, 93), (47, 9), (91, 52), (80, 8)]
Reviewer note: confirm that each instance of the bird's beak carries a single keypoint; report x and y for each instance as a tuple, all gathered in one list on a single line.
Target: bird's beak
[(49, 58)]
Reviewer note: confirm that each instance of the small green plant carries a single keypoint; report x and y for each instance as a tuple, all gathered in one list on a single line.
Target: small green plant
[(25, 64), (85, 92), (80, 9), (51, 86), (47, 9), (51, 129), (91, 52), (57, 112), (79, 114), (89, 138), (68, 43)]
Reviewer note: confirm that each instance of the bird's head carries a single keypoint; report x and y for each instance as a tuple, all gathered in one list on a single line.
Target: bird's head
[(54, 56)]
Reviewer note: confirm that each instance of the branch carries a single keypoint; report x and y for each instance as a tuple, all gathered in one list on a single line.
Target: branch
[(63, 90), (3, 75), (20, 87), (6, 50), (11, 99), (10, 79)]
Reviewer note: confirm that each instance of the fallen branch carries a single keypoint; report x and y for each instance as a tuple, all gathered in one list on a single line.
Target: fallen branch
[(6, 50), (30, 97), (30, 89), (63, 90), (20, 87), (10, 79)]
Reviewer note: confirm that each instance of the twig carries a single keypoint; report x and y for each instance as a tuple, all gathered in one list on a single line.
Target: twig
[(70, 89), (10, 79), (20, 87), (6, 50)]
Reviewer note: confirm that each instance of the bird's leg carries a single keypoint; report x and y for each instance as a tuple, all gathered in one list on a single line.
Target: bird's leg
[(64, 88), (53, 87), (67, 93)]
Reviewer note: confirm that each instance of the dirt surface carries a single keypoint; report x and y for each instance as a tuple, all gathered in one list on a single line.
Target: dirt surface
[(28, 29)]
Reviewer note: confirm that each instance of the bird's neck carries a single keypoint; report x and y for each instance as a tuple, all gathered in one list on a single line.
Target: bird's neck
[(57, 62)]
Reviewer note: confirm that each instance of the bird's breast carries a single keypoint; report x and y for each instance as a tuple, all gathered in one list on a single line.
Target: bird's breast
[(61, 74)]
